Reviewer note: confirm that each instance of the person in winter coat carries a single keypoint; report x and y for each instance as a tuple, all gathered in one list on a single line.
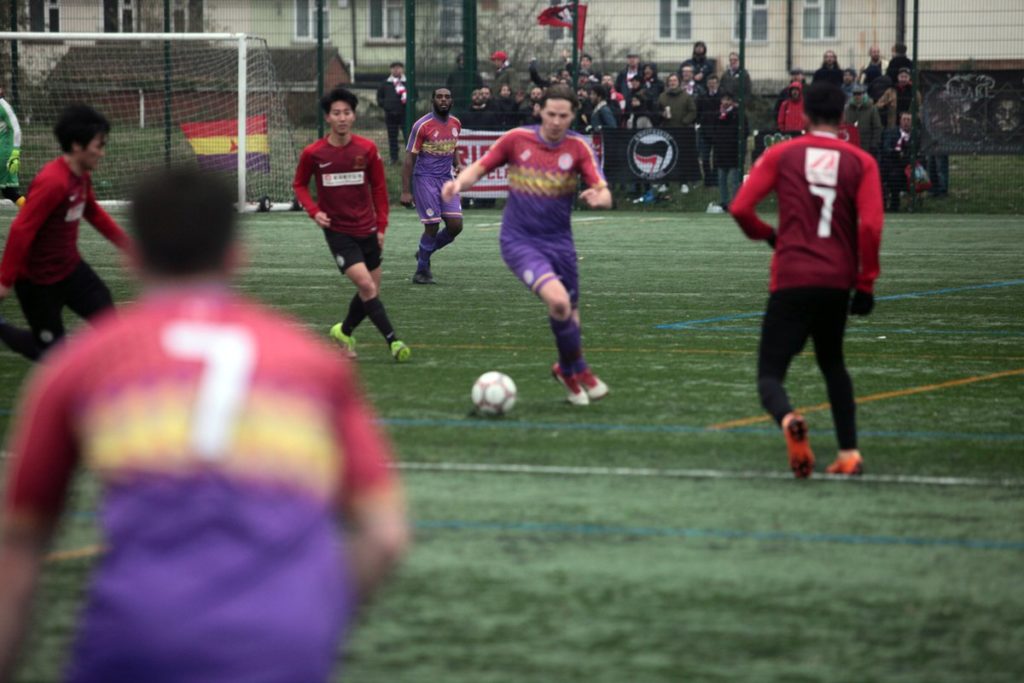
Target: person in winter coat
[(829, 71), (791, 113), (678, 109), (725, 137), (861, 112)]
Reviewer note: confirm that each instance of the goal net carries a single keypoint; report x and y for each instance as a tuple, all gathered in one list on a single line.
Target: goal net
[(171, 99)]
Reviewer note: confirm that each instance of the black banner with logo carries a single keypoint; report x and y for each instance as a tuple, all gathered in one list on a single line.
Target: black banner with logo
[(972, 112), (651, 154)]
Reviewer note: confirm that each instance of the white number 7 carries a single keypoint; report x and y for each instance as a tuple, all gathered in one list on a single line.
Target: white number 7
[(228, 353), (828, 197)]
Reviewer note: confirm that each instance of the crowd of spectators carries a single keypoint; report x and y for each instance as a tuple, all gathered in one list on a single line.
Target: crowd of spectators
[(693, 95)]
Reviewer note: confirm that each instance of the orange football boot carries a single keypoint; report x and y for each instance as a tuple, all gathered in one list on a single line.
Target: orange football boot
[(798, 442), (850, 465)]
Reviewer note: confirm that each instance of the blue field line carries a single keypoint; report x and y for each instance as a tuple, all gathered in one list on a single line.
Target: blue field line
[(732, 534), (502, 423), (687, 324)]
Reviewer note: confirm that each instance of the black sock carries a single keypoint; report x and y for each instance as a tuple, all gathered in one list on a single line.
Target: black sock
[(379, 317), (20, 341), (356, 313)]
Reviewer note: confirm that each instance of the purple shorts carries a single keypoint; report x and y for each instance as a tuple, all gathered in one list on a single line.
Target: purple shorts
[(535, 265), (426, 192)]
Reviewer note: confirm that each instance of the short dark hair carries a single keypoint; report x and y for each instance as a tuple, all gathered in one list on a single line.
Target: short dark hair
[(712, 77), (824, 102), (900, 48), (586, 55), (560, 92), (79, 123), (600, 90), (339, 94), (434, 92), (184, 221), (394, 64)]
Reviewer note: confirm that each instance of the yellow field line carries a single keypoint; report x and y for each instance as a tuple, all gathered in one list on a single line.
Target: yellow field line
[(745, 421), (705, 352), (76, 554)]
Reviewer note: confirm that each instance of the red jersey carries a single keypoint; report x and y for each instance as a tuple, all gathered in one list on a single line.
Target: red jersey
[(830, 212), (225, 439), (350, 185), (42, 246)]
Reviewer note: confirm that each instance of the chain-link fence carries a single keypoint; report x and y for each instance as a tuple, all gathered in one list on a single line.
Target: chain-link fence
[(663, 64)]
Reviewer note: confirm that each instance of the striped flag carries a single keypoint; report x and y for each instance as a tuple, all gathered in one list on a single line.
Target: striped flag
[(215, 143)]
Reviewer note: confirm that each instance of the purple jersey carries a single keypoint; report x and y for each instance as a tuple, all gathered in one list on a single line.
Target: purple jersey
[(542, 181), (434, 140)]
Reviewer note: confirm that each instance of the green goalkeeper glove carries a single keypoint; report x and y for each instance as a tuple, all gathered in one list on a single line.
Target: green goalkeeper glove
[(14, 163)]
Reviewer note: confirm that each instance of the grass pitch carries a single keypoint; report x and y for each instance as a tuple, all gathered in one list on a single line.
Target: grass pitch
[(657, 536)]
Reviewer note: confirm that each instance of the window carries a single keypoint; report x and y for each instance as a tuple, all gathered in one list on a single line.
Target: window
[(44, 15), (187, 16), (120, 16), (757, 20), (674, 20), (451, 20), (305, 20), (819, 19), (386, 19)]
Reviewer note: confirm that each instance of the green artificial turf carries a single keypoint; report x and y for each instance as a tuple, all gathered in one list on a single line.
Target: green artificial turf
[(727, 570)]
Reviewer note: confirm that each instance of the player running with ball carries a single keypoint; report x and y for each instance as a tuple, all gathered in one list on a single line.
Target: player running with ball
[(827, 243), (352, 209), (536, 231)]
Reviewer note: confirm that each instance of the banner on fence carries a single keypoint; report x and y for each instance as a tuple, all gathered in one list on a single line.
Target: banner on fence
[(763, 139), (473, 144), (975, 112), (651, 155)]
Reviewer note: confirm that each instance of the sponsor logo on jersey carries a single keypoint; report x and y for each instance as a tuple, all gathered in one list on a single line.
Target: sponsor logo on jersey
[(821, 166), (75, 212), (325, 165), (565, 161), (652, 154), (339, 179)]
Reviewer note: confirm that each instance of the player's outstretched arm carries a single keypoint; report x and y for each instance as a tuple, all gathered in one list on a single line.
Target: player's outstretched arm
[(465, 180), (597, 197)]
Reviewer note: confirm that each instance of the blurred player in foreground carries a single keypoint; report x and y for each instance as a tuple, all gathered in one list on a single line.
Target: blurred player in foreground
[(10, 152), (536, 227), (429, 159), (229, 444), (41, 260), (352, 208), (830, 231)]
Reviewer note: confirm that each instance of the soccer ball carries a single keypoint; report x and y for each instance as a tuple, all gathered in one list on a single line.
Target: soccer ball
[(494, 393)]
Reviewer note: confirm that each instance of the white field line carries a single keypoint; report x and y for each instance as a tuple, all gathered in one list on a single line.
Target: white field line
[(496, 468)]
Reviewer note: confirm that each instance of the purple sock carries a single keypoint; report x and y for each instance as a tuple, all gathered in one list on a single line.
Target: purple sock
[(567, 339), (427, 247)]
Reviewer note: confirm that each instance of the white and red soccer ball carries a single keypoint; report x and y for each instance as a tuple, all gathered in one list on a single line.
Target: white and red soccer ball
[(494, 393)]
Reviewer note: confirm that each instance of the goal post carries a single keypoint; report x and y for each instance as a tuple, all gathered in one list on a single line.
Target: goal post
[(207, 98)]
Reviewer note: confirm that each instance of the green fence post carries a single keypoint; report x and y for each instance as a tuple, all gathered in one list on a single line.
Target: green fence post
[(14, 57), (411, 92), (575, 43), (741, 96), (167, 85), (915, 137), (320, 65), (469, 48)]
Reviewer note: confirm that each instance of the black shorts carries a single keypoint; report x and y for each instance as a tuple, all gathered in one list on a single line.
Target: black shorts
[(795, 314), (83, 292), (348, 250)]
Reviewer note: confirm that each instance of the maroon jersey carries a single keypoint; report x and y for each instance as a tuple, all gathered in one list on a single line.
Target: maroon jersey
[(225, 439), (42, 246), (830, 212), (350, 185)]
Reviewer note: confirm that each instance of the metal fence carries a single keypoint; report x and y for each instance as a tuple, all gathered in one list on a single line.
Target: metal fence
[(964, 85)]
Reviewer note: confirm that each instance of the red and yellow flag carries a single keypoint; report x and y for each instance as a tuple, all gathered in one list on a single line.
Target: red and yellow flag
[(215, 143)]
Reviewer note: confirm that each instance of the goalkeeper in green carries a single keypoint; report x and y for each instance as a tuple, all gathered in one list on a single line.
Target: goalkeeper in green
[(10, 152)]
